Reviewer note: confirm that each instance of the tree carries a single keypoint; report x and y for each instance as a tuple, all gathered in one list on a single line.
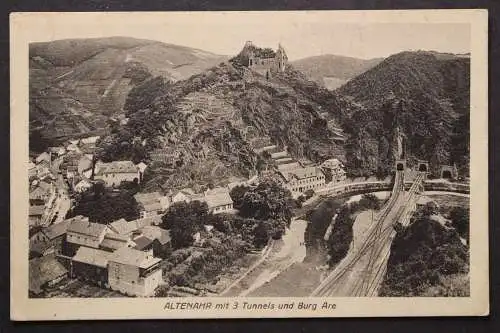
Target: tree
[(269, 200), (237, 193), (221, 222), (262, 233), (459, 217), (184, 220), (423, 256), (341, 236), (430, 208), (105, 206), (369, 201), (132, 187)]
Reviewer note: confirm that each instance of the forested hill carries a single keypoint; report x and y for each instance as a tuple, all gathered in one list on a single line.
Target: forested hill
[(332, 71), (76, 85), (426, 94), (213, 122)]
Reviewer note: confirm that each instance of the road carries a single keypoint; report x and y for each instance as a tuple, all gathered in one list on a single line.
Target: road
[(361, 271), (62, 203)]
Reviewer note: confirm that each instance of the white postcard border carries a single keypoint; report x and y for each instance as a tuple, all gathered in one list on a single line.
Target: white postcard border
[(24, 25)]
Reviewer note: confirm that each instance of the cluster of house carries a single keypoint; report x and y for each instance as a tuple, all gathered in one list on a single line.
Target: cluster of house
[(302, 175), (41, 197), (80, 170), (123, 255), (42, 191), (217, 199)]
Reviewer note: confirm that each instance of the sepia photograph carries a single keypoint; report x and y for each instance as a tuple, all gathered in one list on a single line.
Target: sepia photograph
[(249, 163)]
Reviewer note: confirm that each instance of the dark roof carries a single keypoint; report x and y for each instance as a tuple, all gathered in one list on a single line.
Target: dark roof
[(154, 232), (114, 241), (43, 270), (40, 247), (142, 242)]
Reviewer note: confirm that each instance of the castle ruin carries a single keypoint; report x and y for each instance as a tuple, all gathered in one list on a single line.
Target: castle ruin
[(266, 64)]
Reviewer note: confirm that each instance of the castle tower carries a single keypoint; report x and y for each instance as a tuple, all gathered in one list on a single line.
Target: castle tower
[(281, 58)]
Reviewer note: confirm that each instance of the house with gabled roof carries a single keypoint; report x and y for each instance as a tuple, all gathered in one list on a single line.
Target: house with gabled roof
[(151, 204), (218, 200), (134, 272), (52, 237), (124, 227), (82, 186), (91, 265), (113, 242), (43, 157), (116, 172), (91, 140), (162, 241), (84, 233), (143, 243), (41, 193), (302, 179), (35, 215)]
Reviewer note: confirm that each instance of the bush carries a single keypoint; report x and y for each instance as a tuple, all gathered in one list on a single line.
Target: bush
[(308, 194), (162, 291), (219, 253), (369, 201)]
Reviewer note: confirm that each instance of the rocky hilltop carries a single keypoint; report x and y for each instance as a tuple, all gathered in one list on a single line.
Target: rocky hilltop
[(76, 85), (426, 94), (212, 125)]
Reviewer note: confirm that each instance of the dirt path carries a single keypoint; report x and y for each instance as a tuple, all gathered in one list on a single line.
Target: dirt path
[(265, 254), (292, 250)]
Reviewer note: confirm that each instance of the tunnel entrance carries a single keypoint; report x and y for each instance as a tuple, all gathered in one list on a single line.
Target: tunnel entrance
[(400, 167), (446, 174), (422, 167)]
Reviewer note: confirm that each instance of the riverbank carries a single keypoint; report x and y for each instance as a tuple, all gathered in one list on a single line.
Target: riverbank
[(285, 252)]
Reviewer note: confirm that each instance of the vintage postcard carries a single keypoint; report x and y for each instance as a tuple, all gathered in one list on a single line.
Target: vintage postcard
[(249, 164)]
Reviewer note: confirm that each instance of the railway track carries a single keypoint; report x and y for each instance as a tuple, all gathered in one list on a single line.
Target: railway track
[(376, 245)]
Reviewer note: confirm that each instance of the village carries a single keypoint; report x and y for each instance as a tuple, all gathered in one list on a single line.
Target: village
[(95, 229), (123, 257)]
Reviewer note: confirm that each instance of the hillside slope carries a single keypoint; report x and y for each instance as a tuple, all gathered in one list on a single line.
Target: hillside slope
[(426, 94), (77, 85), (210, 125), (332, 71)]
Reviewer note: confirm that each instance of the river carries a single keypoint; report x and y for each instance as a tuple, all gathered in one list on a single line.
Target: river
[(297, 273)]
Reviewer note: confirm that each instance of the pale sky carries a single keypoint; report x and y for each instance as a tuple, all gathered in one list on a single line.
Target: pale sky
[(302, 34)]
